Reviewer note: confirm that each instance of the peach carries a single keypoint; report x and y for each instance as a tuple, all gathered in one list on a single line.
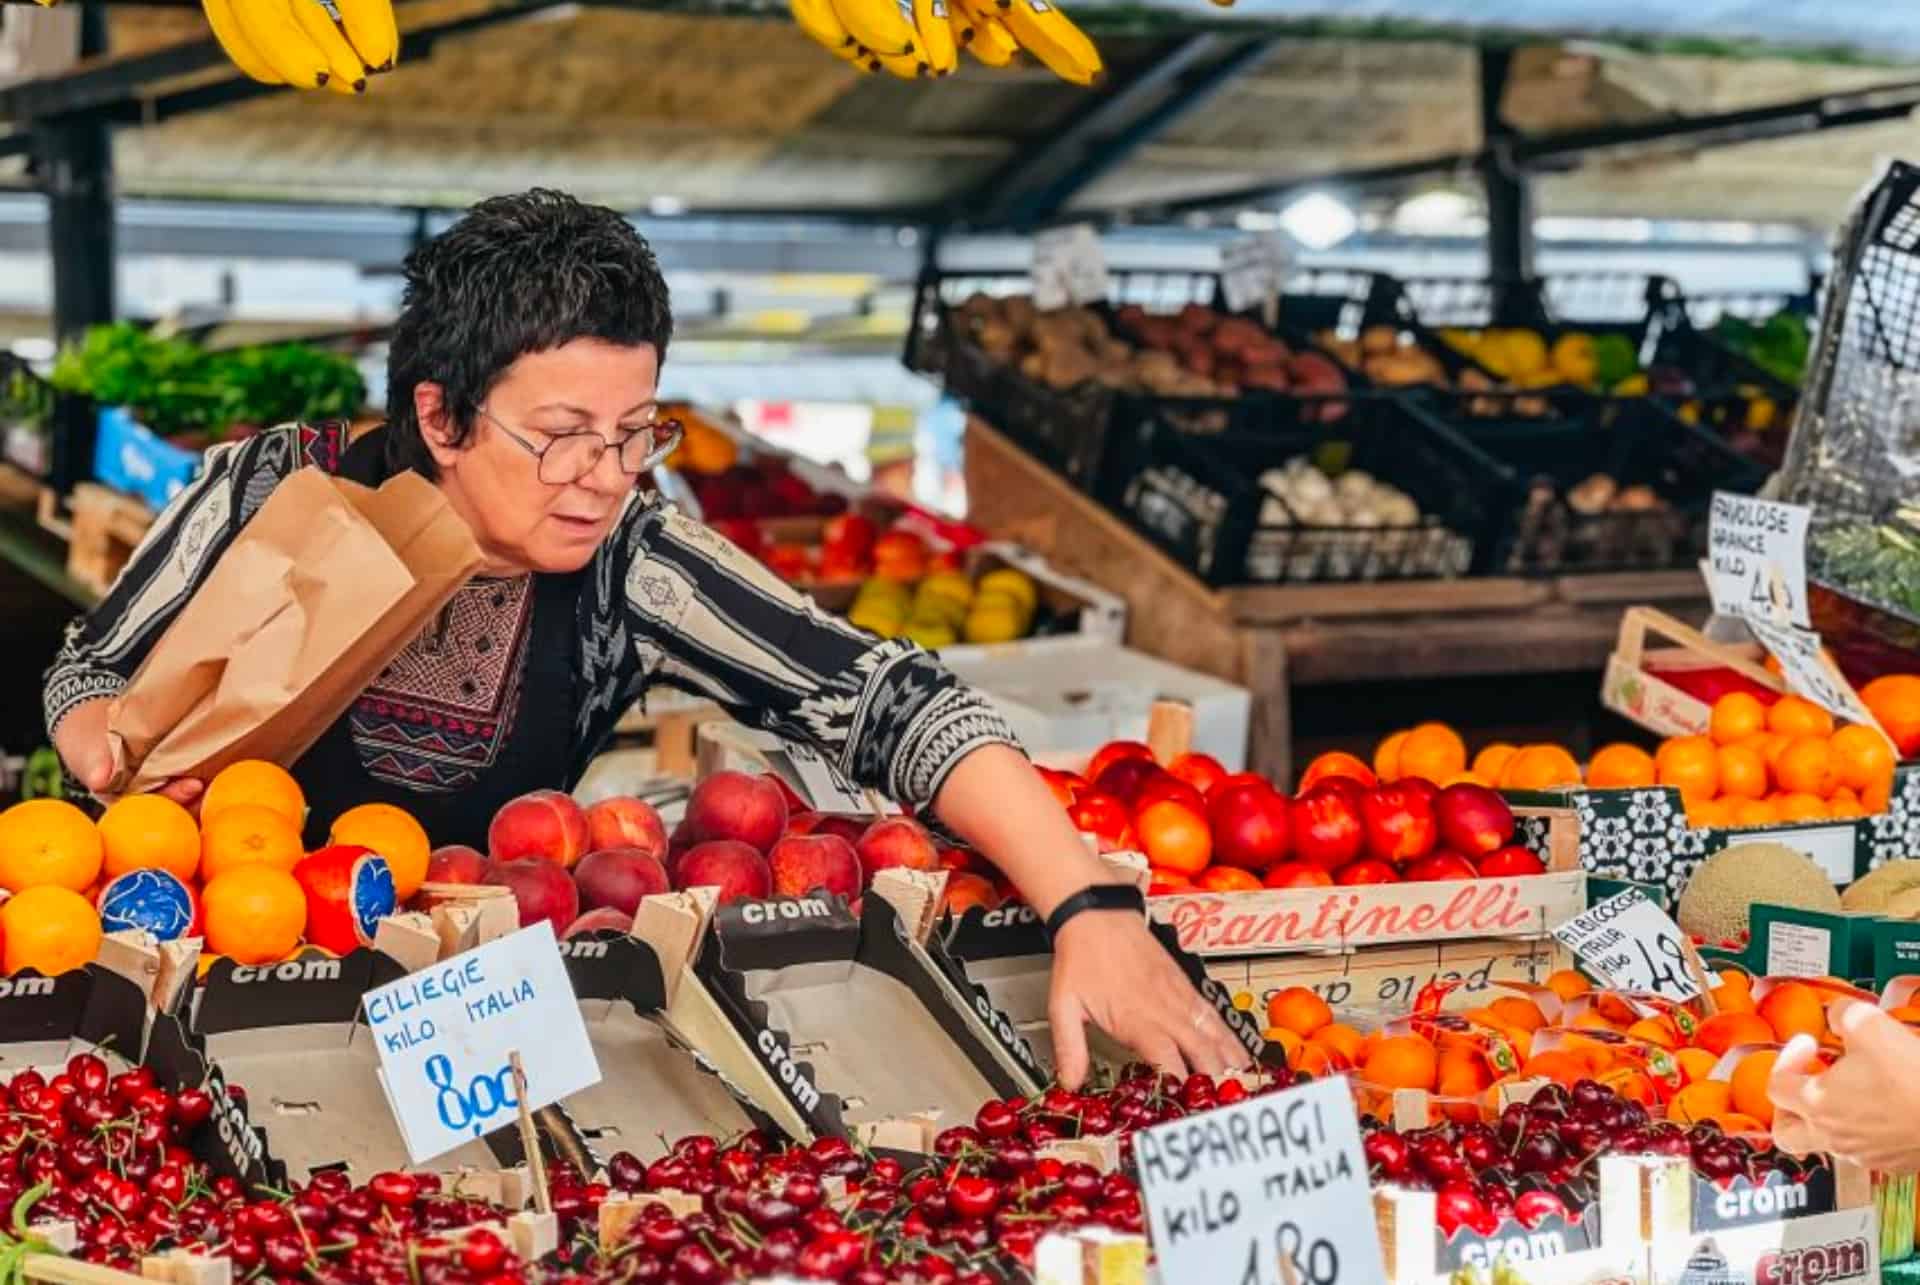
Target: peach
[(965, 890), (542, 890), (738, 807), (896, 841), (803, 863), (456, 863), (546, 824), (625, 823), (618, 878), (736, 869), (599, 921)]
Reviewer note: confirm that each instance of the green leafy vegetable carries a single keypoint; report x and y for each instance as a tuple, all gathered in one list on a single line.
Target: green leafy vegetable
[(1878, 564)]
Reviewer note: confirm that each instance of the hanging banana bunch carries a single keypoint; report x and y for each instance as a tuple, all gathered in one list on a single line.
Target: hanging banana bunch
[(916, 38), (308, 44)]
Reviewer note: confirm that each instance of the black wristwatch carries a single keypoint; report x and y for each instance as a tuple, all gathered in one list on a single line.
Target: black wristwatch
[(1101, 896)]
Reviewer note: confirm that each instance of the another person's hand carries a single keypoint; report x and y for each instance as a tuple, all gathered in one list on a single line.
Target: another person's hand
[(1866, 1106), (83, 747), (1108, 969)]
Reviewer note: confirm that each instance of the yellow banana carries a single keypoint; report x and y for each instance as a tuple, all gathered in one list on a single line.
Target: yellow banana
[(1050, 36), (877, 24), (371, 29), (346, 74), (935, 29), (990, 42), (241, 53), (270, 27), (817, 19), (906, 66)]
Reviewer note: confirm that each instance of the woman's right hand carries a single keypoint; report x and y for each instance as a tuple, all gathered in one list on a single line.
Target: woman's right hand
[(83, 747)]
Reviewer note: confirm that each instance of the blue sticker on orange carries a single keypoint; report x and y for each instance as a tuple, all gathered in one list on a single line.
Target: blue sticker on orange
[(150, 899), (371, 894)]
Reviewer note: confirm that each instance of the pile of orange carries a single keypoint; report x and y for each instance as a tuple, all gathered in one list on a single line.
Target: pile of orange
[(236, 859), (1438, 753), (1764, 764)]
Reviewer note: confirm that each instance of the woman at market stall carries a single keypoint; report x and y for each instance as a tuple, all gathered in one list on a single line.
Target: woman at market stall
[(1865, 1107), (522, 380)]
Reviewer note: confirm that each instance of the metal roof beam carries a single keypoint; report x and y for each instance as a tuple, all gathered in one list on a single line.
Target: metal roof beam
[(1037, 188)]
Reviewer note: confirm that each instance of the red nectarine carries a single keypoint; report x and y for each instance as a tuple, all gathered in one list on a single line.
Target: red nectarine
[(733, 805), (541, 889), (545, 823), (734, 868), (618, 878), (1252, 825), (896, 842), (626, 823), (804, 863)]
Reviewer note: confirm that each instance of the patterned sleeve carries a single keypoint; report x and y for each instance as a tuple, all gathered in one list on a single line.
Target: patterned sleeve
[(104, 647), (717, 623)]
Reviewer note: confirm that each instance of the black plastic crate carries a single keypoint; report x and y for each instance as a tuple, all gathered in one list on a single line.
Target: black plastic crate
[(1209, 499), (1630, 493)]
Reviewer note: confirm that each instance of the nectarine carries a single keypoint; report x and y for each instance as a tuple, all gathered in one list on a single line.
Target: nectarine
[(545, 823), (735, 806)]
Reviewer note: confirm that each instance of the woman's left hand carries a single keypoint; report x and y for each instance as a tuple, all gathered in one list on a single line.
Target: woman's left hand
[(1866, 1106), (1108, 969)]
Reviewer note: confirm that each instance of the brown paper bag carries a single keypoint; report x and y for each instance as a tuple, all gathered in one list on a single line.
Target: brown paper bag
[(324, 586)]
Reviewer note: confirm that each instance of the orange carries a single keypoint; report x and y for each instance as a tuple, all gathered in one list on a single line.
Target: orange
[(1174, 836), (1845, 805), (1711, 815), (1298, 1010), (1733, 1124), (149, 830), (1794, 1009), (399, 838), (1806, 767), (1620, 767), (255, 781), (1877, 799), (1695, 1064), (1401, 1062), (1691, 765), (1750, 1085), (1320, 1061), (1467, 778), (1894, 702), (1699, 1100), (1862, 759), (1386, 757), (248, 833), (1742, 772), (1434, 751), (49, 929), (46, 841), (1341, 1038), (1335, 763), (1289, 1043), (1591, 1020), (1655, 1030), (1751, 812), (1560, 1065), (1516, 1010), (1490, 761), (1462, 1073), (1802, 807), (1797, 716), (1768, 744), (1539, 767), (254, 913), (1568, 984), (1631, 1084), (1723, 1031), (1732, 997), (1736, 716)]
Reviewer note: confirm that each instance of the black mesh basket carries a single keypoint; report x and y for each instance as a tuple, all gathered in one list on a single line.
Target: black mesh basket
[(1209, 499)]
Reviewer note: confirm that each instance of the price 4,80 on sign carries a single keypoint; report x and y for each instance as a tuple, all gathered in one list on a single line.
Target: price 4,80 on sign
[(1632, 944)]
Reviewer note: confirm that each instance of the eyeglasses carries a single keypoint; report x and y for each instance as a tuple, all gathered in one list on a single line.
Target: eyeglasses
[(568, 457)]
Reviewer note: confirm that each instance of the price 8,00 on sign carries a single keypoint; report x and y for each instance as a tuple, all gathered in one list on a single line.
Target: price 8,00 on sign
[(1632, 944), (445, 1036), (1269, 1191)]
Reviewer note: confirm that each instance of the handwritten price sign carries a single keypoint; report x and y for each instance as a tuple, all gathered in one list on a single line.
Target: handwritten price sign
[(445, 1034), (1757, 558), (1069, 267), (1633, 945), (1810, 674)]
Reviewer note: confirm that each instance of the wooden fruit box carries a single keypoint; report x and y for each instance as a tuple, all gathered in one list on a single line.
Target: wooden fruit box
[(1639, 682), (102, 528), (1283, 920), (1386, 979)]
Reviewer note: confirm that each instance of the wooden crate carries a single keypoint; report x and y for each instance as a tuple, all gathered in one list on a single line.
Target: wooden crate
[(101, 527), (1386, 979)]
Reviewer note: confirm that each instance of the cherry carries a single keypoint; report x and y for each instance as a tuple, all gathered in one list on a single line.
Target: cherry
[(1534, 1207), (394, 1190), (1538, 1153), (1479, 1148), (482, 1253), (663, 1236), (1719, 1164), (996, 1120), (245, 1253), (973, 1197), (1387, 1152), (1456, 1206), (355, 1207), (950, 1142), (887, 1169), (1438, 1160), (284, 1255), (1011, 1160), (695, 1264), (626, 1171), (1232, 1091), (192, 1107)]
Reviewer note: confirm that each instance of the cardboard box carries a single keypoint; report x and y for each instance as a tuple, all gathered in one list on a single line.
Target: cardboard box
[(128, 456), (1824, 1229)]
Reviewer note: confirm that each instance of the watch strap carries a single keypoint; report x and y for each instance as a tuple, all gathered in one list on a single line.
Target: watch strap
[(1100, 896)]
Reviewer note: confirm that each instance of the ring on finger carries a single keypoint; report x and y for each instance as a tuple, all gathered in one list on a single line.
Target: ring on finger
[(1200, 1016)]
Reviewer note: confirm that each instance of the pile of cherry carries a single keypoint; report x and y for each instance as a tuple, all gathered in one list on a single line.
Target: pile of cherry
[(1540, 1159)]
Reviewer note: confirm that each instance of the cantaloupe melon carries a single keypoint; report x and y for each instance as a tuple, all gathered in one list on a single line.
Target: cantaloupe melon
[(1714, 906), (1873, 891)]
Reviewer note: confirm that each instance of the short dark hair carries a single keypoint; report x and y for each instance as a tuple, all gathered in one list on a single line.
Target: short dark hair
[(517, 274)]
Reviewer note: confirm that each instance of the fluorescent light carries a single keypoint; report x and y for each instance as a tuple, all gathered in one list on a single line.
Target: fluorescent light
[(1319, 221), (666, 207)]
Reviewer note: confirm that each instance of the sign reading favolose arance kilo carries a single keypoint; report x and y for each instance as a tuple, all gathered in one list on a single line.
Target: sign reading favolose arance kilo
[(445, 1033), (1230, 1192)]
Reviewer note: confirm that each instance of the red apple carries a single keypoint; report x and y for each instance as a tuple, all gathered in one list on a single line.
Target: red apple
[(1113, 752), (804, 863), (1511, 860), (1201, 771), (1167, 786), (1297, 874), (1400, 824), (1366, 870), (896, 842), (738, 807), (1344, 786), (1473, 819), (618, 878), (1100, 814), (1326, 829), (1441, 865), (1252, 825), (599, 921), (541, 888), (456, 863), (1125, 779), (545, 823), (736, 869), (626, 823)]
